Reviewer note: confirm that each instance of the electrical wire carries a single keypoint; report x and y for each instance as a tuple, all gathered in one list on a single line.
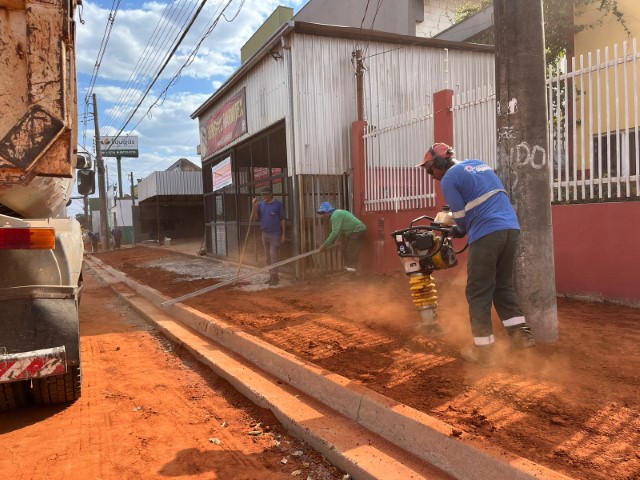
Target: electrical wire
[(147, 61), (356, 46), (366, 48), (189, 60), (96, 68)]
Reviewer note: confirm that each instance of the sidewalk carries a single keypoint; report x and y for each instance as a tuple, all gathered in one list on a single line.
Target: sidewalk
[(188, 246), (218, 269)]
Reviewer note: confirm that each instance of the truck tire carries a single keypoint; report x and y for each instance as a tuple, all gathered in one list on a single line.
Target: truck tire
[(13, 395), (64, 388)]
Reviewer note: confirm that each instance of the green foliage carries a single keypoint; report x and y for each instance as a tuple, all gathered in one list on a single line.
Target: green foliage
[(606, 7), (466, 9), (559, 21)]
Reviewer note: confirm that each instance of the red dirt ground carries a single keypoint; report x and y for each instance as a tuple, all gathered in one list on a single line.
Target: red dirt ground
[(573, 406), (148, 410)]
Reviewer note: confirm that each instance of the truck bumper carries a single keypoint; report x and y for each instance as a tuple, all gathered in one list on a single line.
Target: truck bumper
[(35, 364)]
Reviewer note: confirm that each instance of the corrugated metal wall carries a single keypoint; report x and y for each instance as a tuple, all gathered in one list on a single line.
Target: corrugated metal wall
[(474, 105), (401, 80), (267, 97), (170, 183), (324, 104), (399, 86)]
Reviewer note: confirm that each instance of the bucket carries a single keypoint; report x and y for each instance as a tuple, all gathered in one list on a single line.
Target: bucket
[(167, 242)]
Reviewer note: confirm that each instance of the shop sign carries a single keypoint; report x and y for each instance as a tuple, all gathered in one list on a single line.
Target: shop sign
[(225, 124), (222, 174), (122, 146)]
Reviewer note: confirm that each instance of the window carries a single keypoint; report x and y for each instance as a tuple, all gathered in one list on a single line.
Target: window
[(610, 149)]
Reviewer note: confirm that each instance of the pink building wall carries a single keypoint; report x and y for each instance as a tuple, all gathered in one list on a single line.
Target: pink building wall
[(596, 250)]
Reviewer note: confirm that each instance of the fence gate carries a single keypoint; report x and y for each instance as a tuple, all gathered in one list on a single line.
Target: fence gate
[(314, 229)]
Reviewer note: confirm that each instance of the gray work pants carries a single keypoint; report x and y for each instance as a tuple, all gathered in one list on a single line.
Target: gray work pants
[(490, 280), (271, 244), (351, 249)]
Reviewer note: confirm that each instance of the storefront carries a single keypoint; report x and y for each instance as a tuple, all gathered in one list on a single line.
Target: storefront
[(293, 117), (231, 180)]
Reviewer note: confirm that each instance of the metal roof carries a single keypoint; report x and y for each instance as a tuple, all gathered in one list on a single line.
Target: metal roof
[(306, 28)]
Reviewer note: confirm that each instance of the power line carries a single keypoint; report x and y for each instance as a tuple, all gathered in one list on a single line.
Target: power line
[(366, 9), (192, 56), (147, 65), (372, 24), (96, 68), (146, 62), (189, 60)]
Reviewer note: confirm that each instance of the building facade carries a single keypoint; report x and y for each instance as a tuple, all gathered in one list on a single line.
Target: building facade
[(285, 120)]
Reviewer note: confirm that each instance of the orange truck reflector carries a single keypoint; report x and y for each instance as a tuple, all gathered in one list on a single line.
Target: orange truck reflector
[(39, 238)]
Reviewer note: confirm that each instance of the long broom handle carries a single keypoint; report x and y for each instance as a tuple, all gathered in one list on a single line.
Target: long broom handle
[(246, 237), (241, 277)]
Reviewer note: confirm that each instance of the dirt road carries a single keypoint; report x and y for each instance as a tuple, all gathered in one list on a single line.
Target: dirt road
[(148, 411), (573, 406)]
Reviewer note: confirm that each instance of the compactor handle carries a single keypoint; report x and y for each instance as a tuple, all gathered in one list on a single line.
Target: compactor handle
[(423, 217)]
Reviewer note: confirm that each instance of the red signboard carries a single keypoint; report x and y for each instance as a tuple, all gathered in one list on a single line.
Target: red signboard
[(225, 124)]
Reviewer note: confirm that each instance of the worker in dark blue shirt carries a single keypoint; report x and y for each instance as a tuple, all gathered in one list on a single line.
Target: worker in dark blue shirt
[(270, 212), (482, 210)]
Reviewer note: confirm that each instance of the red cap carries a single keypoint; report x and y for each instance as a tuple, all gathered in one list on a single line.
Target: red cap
[(441, 150)]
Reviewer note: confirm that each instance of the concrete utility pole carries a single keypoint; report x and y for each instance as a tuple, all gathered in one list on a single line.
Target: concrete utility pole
[(523, 155), (133, 197), (102, 189), (85, 201), (119, 161)]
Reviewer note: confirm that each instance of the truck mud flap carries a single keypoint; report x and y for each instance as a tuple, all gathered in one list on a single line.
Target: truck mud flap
[(35, 364)]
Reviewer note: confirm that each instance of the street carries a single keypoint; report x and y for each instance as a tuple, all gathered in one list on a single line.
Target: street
[(147, 410)]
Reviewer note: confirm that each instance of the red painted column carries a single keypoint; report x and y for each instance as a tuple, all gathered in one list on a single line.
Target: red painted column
[(443, 117), (442, 129), (357, 156)]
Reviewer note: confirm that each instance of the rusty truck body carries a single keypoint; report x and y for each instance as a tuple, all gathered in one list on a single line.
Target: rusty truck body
[(41, 248)]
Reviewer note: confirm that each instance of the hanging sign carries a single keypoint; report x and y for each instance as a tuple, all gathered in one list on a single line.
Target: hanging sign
[(222, 174), (225, 124), (123, 146)]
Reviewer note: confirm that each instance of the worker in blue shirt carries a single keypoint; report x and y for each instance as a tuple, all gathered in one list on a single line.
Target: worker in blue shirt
[(270, 212), (482, 210)]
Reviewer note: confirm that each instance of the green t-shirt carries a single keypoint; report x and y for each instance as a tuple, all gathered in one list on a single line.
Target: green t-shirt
[(343, 223)]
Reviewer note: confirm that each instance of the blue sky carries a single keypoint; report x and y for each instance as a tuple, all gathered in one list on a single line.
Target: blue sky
[(167, 132)]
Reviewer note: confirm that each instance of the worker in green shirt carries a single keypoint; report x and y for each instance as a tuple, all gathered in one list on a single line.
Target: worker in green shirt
[(344, 224)]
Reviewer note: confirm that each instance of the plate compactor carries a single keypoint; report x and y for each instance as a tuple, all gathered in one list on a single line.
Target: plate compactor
[(422, 250)]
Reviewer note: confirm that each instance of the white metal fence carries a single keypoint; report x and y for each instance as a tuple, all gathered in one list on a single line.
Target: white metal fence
[(593, 125), (593, 122), (399, 88), (474, 124), (392, 150)]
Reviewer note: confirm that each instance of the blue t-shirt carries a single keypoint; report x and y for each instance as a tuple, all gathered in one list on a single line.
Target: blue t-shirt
[(478, 200), (270, 215)]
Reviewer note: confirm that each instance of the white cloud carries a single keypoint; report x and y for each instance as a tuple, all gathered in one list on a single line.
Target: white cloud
[(167, 133)]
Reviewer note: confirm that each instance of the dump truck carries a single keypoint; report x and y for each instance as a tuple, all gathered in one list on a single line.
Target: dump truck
[(41, 249)]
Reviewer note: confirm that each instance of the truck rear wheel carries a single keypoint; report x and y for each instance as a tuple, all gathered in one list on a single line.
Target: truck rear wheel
[(13, 395), (64, 388)]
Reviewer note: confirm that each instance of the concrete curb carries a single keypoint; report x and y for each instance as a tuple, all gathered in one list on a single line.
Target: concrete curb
[(344, 443), (422, 435)]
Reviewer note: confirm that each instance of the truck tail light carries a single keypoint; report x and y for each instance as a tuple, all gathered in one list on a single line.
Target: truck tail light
[(12, 238)]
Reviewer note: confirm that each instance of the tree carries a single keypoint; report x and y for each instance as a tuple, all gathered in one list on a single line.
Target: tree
[(560, 22)]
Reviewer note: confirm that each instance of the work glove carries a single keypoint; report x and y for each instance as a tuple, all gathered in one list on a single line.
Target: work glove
[(456, 232)]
